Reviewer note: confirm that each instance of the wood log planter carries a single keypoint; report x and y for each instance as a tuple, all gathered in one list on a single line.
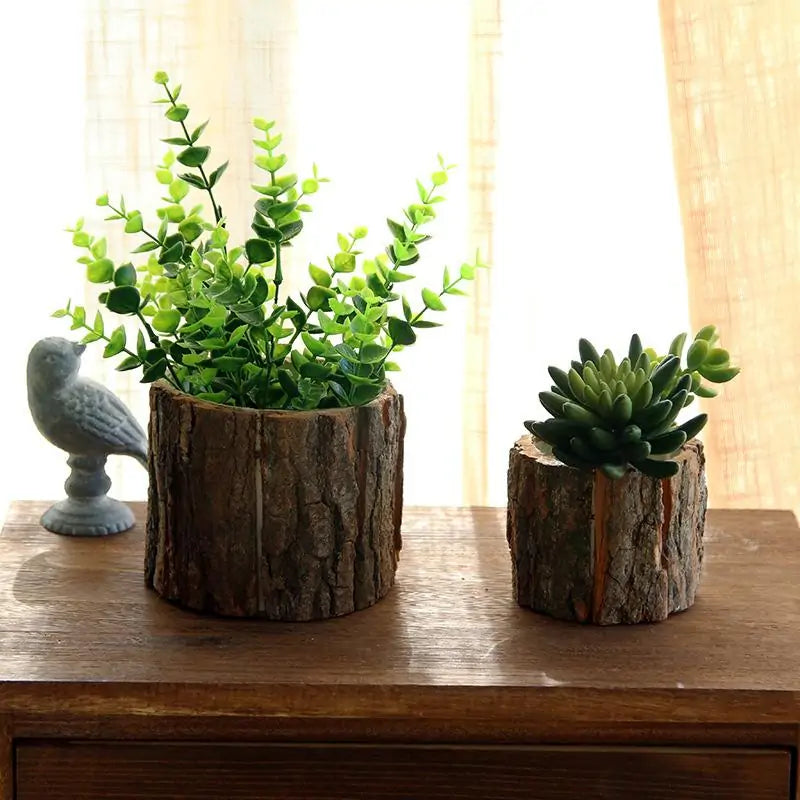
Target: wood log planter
[(287, 515), (602, 551)]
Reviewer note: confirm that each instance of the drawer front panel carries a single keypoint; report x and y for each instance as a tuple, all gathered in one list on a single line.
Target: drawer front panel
[(189, 771)]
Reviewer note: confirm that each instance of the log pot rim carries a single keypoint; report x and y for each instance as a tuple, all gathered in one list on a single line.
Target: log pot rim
[(178, 396), (548, 459)]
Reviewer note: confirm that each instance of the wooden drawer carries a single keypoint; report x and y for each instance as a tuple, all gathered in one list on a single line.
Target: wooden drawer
[(152, 771)]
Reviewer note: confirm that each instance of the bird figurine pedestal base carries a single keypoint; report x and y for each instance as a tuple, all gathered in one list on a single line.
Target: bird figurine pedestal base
[(87, 510), (590, 549)]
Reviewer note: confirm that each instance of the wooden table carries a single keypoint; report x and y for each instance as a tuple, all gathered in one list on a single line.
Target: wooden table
[(445, 689)]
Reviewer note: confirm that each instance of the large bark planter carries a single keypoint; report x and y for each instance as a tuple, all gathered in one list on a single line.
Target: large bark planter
[(590, 549), (278, 514)]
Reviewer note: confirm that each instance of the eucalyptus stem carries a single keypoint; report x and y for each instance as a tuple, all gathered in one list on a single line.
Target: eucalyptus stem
[(126, 217), (99, 335), (419, 314), (214, 206), (151, 334)]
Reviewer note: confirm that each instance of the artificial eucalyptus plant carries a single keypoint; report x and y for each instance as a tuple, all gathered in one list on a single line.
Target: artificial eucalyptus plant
[(611, 416), (212, 318)]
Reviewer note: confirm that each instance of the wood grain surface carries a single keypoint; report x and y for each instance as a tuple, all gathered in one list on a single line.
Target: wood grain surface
[(589, 548), (81, 635), (49, 771), (303, 523)]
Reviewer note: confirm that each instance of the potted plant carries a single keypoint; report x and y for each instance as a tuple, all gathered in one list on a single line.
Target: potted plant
[(607, 497), (276, 440)]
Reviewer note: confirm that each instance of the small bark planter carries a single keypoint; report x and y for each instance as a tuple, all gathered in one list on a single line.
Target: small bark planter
[(590, 549), (278, 514)]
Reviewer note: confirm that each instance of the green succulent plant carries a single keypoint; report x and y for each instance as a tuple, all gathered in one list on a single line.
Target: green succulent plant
[(611, 416)]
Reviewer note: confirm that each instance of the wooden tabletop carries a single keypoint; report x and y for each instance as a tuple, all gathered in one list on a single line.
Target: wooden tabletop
[(77, 622)]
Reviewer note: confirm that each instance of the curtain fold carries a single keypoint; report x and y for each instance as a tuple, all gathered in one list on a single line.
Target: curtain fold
[(733, 76)]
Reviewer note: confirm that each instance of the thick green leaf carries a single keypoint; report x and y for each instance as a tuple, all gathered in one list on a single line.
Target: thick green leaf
[(372, 353), (166, 320), (314, 370), (228, 363), (134, 223), (288, 383), (125, 275), (259, 251), (217, 174), (128, 363), (116, 344), (100, 271), (178, 189), (318, 297), (291, 229), (344, 262), (194, 180), (177, 113), (272, 235), (698, 350), (154, 372), (432, 300), (314, 346), (123, 300), (401, 332), (397, 230), (196, 133), (319, 276), (279, 210), (424, 323), (190, 230), (145, 247)]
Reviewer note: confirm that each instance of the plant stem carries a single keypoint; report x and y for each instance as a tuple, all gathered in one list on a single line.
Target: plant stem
[(151, 334), (125, 217), (214, 206), (418, 315), (101, 335), (278, 272)]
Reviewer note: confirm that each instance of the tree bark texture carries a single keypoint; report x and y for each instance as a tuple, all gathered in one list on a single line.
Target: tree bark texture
[(278, 514), (590, 549)]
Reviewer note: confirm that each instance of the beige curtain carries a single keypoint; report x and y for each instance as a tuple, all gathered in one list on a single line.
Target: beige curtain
[(733, 70)]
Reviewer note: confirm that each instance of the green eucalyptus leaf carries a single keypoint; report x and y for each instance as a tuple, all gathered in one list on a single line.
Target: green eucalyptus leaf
[(166, 320), (100, 271), (190, 229), (177, 113), (216, 175), (344, 262), (128, 363), (319, 297), (319, 276), (125, 275), (401, 331), (432, 300), (134, 223), (278, 211), (259, 251), (194, 180), (123, 300), (315, 370), (116, 344)]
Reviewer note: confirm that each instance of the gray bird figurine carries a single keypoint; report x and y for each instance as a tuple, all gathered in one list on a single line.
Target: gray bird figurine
[(89, 422)]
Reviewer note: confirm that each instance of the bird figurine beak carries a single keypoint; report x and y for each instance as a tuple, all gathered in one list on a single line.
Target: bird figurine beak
[(78, 348)]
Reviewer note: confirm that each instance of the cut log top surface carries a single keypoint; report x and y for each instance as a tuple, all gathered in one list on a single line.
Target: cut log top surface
[(76, 612)]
